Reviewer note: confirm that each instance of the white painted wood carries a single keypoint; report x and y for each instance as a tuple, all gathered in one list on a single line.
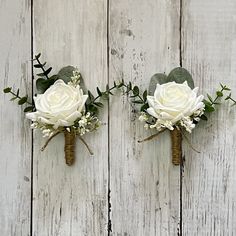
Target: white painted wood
[(15, 138), (72, 200), (209, 52), (144, 39)]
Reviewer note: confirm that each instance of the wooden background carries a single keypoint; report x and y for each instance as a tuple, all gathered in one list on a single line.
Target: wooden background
[(126, 188)]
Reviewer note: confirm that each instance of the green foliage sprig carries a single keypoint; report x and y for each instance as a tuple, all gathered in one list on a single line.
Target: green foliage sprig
[(21, 100), (210, 102), (137, 97), (44, 81), (95, 102)]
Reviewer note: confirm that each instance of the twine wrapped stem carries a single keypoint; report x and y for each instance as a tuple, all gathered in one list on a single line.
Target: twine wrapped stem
[(176, 139), (69, 147)]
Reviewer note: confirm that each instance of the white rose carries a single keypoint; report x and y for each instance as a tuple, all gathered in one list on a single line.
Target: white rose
[(60, 105), (172, 102)]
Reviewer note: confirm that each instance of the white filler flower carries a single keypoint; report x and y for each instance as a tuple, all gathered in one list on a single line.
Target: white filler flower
[(60, 105), (173, 103)]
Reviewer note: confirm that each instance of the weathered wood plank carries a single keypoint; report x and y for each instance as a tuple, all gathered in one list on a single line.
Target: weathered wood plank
[(15, 138), (209, 195), (144, 39), (72, 200)]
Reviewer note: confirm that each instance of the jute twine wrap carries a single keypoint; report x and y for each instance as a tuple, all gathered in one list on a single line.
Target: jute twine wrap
[(69, 147), (176, 138)]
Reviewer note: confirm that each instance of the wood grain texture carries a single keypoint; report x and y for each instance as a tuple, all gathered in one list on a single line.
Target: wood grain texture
[(209, 52), (72, 200), (15, 138), (144, 185)]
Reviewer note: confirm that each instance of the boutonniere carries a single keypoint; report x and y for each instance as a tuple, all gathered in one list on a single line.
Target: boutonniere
[(172, 103), (63, 105)]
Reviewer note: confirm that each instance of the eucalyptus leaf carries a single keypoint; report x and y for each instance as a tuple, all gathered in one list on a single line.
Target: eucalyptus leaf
[(66, 73), (38, 56), (47, 71), (203, 117), (219, 93), (42, 85), (7, 90), (158, 78), (144, 107), (135, 91), (27, 109), (22, 100), (180, 75)]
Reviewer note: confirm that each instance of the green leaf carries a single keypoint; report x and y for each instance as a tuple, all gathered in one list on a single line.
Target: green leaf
[(210, 98), (209, 108), (156, 79), (14, 98), (130, 86), (207, 103), (120, 85), (66, 73), (42, 85), (98, 104), (91, 97), (219, 93), (228, 97), (38, 66), (144, 107), (138, 102), (93, 109), (38, 56), (203, 117), (22, 100), (180, 75), (145, 95), (135, 91), (48, 71), (227, 89), (27, 109), (99, 92), (40, 74), (7, 90)]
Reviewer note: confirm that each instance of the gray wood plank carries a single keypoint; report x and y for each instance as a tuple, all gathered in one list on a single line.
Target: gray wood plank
[(15, 138), (144, 39), (72, 200), (209, 52)]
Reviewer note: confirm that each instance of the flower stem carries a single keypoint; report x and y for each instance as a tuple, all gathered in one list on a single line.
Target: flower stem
[(47, 142), (151, 137), (87, 146)]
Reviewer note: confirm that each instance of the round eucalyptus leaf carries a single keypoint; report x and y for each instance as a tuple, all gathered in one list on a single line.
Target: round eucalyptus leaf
[(82, 85), (158, 78), (66, 73), (180, 75), (42, 85)]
